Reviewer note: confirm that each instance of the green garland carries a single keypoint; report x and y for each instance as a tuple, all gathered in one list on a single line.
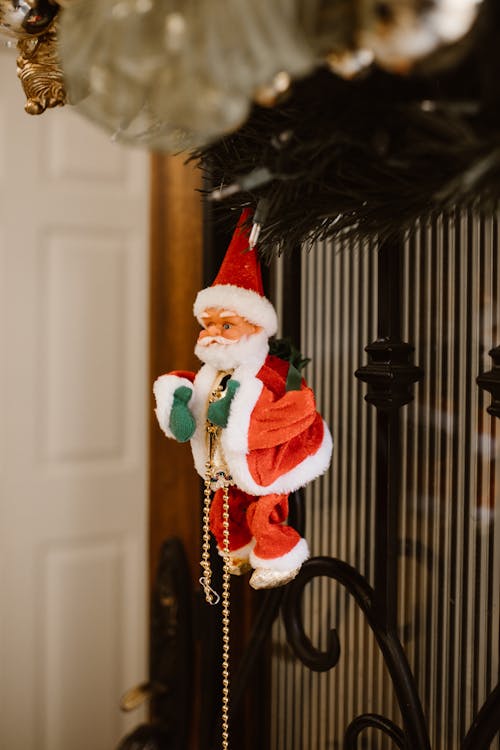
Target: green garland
[(369, 156)]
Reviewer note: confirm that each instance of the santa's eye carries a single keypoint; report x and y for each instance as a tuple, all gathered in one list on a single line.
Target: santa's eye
[(226, 326)]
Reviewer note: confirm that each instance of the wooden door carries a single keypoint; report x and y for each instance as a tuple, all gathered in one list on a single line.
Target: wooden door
[(74, 395)]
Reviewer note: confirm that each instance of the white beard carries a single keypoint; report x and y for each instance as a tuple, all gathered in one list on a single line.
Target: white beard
[(250, 351)]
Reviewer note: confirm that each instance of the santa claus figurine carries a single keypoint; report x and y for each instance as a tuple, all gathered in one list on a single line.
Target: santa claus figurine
[(252, 421)]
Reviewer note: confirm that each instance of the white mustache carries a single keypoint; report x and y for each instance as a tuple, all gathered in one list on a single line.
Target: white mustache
[(207, 340)]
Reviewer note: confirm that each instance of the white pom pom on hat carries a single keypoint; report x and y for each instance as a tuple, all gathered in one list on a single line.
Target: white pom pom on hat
[(238, 285)]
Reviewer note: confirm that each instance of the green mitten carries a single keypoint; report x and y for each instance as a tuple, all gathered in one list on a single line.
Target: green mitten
[(218, 412), (181, 421)]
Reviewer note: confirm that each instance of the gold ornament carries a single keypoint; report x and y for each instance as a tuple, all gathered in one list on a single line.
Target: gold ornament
[(23, 19), (32, 24), (40, 73)]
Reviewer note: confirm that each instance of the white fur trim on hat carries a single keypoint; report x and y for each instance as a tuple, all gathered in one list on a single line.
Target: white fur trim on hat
[(245, 302)]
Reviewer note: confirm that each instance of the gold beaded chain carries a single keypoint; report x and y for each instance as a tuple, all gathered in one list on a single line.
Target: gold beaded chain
[(226, 576), (211, 596), (214, 477)]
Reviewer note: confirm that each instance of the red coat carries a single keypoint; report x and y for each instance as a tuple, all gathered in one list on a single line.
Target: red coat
[(275, 440)]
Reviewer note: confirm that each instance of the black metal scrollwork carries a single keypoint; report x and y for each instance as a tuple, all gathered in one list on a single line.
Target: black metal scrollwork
[(374, 721), (415, 734), (390, 375), (490, 381), (320, 661), (171, 655)]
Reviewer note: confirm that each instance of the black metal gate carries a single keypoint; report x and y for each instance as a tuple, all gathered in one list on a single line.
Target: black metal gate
[(407, 522), (390, 636)]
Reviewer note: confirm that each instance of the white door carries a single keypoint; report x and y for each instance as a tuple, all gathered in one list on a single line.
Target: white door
[(73, 413)]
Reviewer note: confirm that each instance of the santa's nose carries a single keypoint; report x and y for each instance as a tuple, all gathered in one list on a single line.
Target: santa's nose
[(212, 329)]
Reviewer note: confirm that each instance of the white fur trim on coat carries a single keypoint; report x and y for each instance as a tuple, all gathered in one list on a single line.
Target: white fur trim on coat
[(242, 553), (293, 559), (164, 388), (310, 468), (245, 302), (234, 438), (248, 393)]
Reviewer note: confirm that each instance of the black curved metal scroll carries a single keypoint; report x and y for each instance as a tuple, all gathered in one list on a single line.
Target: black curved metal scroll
[(486, 724), (373, 721), (415, 732)]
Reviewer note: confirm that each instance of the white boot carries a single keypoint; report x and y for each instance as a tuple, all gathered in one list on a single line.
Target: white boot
[(266, 578)]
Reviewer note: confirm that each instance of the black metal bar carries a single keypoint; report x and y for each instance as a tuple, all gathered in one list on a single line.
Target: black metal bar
[(386, 503), (291, 313), (486, 724), (374, 721), (390, 376), (389, 298)]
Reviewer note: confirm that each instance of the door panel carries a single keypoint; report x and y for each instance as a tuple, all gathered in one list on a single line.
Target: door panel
[(74, 399)]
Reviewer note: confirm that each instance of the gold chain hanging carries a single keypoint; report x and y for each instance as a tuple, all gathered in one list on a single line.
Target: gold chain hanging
[(211, 596), (226, 576)]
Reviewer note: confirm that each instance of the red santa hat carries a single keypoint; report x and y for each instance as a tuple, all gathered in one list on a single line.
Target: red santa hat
[(238, 285)]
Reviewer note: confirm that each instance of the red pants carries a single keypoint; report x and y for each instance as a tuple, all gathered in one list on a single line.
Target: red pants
[(250, 517)]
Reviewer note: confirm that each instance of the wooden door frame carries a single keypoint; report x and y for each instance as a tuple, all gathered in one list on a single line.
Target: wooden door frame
[(176, 276)]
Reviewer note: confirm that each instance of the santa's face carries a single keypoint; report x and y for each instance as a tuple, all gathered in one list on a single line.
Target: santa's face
[(229, 340), (224, 324)]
